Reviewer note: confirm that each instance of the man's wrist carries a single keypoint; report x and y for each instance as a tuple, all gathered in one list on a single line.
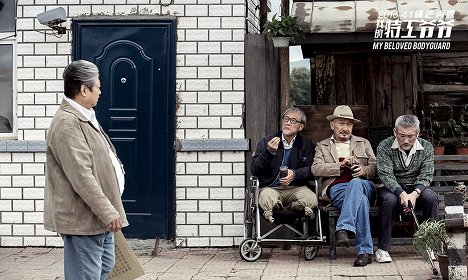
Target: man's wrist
[(418, 191)]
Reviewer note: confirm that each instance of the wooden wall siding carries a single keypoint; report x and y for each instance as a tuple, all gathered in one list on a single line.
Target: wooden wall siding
[(318, 128), (445, 68), (262, 109)]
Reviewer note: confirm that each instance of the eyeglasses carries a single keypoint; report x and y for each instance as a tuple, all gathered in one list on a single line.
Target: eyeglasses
[(409, 136), (287, 119)]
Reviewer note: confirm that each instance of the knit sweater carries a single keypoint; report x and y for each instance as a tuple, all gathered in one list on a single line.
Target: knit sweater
[(393, 172)]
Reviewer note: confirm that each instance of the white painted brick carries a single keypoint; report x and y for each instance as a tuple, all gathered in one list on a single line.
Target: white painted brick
[(187, 230), (209, 22), (198, 242), (64, 48), (33, 217), (23, 157), (180, 193), (39, 205), (233, 22), (23, 181), (54, 85), (25, 23), (209, 206), (5, 181), (23, 230), (209, 97), (34, 135), (187, 122), (33, 86), (233, 72), (186, 72), (186, 156), (180, 219), (209, 47), (221, 218), (233, 157), (51, 110), (34, 241), (91, 1), (197, 193), (32, 37), (180, 134), (233, 205), (5, 205), (187, 22), (33, 193), (45, 48), (19, 86), (179, 2), (238, 59), (32, 11), (238, 35), (209, 72), (196, 85), (138, 1), (44, 74), (220, 60), (180, 85), (196, 110), (56, 61), (220, 35), (233, 1), (39, 181), (25, 73), (187, 97), (209, 156), (54, 241), (23, 205), (180, 169), (79, 10), (196, 10), (68, 2), (33, 168), (232, 97), (238, 10), (9, 241), (232, 47), (198, 218), (220, 10), (221, 241), (220, 168), (209, 1), (210, 230), (238, 168), (186, 180), (220, 109), (208, 122), (196, 60), (40, 157), (176, 10), (233, 180), (41, 231), (180, 60), (34, 61), (209, 181), (231, 122), (12, 217), (221, 134), (43, 123), (238, 84), (237, 109), (220, 193), (221, 84), (5, 229), (238, 193), (187, 205), (197, 168), (25, 98), (196, 35), (196, 134), (10, 168), (5, 157), (103, 9), (233, 230), (25, 49)]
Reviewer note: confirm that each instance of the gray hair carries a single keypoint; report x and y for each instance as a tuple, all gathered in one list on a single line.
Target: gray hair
[(407, 121), (295, 109), (78, 73)]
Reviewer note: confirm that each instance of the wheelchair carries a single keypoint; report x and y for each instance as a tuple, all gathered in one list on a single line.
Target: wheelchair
[(292, 221)]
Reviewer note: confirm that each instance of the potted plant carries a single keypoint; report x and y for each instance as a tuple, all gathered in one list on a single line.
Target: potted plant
[(434, 132), (282, 30)]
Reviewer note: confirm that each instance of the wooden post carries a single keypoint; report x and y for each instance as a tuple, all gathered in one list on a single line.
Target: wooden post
[(284, 66), (156, 246)]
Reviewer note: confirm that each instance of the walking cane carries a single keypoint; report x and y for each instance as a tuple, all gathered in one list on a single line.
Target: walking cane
[(431, 262)]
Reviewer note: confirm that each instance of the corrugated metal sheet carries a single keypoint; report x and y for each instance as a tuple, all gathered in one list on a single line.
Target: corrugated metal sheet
[(362, 16)]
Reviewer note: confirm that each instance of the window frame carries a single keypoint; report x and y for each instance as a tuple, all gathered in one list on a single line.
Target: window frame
[(14, 133)]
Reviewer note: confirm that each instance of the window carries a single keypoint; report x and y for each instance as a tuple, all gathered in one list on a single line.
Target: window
[(7, 68)]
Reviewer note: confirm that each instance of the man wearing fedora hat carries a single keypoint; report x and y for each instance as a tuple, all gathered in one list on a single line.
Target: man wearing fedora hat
[(346, 162)]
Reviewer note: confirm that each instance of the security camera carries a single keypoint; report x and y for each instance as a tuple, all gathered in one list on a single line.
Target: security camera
[(52, 17)]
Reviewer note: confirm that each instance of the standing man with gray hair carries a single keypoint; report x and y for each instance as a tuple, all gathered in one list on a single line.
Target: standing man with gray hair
[(84, 179), (405, 164)]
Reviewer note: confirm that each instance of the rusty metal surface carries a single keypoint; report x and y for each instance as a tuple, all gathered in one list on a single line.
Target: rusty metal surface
[(361, 16)]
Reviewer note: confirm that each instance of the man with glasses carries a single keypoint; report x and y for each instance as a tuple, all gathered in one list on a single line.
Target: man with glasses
[(405, 164), (290, 149), (347, 162)]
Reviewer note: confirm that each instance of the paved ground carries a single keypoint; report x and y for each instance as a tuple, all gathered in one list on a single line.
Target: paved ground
[(174, 264)]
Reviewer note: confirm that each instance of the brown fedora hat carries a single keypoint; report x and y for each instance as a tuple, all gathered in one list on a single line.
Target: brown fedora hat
[(343, 112)]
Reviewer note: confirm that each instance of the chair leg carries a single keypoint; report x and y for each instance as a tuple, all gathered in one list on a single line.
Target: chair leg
[(332, 229)]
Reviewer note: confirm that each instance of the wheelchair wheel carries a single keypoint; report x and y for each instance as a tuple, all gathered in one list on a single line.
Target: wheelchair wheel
[(309, 252), (250, 250)]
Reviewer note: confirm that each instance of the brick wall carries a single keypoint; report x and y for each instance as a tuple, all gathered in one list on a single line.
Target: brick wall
[(210, 94)]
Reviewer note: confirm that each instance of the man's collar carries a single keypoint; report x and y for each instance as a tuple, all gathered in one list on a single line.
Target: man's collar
[(332, 139), (285, 143), (416, 146), (87, 113)]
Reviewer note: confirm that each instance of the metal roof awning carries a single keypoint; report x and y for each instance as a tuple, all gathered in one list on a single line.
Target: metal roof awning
[(362, 15)]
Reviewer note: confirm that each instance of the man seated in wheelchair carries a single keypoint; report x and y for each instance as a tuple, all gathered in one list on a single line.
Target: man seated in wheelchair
[(286, 189)]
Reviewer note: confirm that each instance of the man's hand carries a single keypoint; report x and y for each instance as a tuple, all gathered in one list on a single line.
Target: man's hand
[(348, 161), (404, 197), (273, 144), (359, 172), (115, 225), (285, 181)]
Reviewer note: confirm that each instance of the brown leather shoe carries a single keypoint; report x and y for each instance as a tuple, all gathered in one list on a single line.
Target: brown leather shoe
[(342, 238), (363, 260)]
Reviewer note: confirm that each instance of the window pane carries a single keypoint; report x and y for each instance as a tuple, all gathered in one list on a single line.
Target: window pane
[(6, 88), (7, 15)]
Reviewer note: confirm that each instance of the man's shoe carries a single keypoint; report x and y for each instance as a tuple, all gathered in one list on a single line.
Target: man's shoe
[(382, 256), (363, 260), (342, 238)]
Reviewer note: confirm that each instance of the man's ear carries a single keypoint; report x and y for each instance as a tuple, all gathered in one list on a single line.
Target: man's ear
[(83, 90), (332, 125), (394, 132), (301, 127)]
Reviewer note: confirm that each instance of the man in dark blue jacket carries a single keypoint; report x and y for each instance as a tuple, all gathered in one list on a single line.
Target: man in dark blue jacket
[(285, 148)]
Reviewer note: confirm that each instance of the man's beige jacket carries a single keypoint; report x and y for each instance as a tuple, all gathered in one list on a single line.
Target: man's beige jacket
[(81, 192), (327, 165)]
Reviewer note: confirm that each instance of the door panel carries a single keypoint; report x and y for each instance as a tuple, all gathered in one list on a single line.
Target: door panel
[(136, 109)]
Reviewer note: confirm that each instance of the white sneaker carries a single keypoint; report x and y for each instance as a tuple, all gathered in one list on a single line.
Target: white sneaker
[(382, 256), (431, 254)]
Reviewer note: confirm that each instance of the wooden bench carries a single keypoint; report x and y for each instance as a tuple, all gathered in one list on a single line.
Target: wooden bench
[(448, 169)]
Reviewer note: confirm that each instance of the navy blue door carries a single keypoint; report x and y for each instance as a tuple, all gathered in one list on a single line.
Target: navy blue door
[(136, 60)]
